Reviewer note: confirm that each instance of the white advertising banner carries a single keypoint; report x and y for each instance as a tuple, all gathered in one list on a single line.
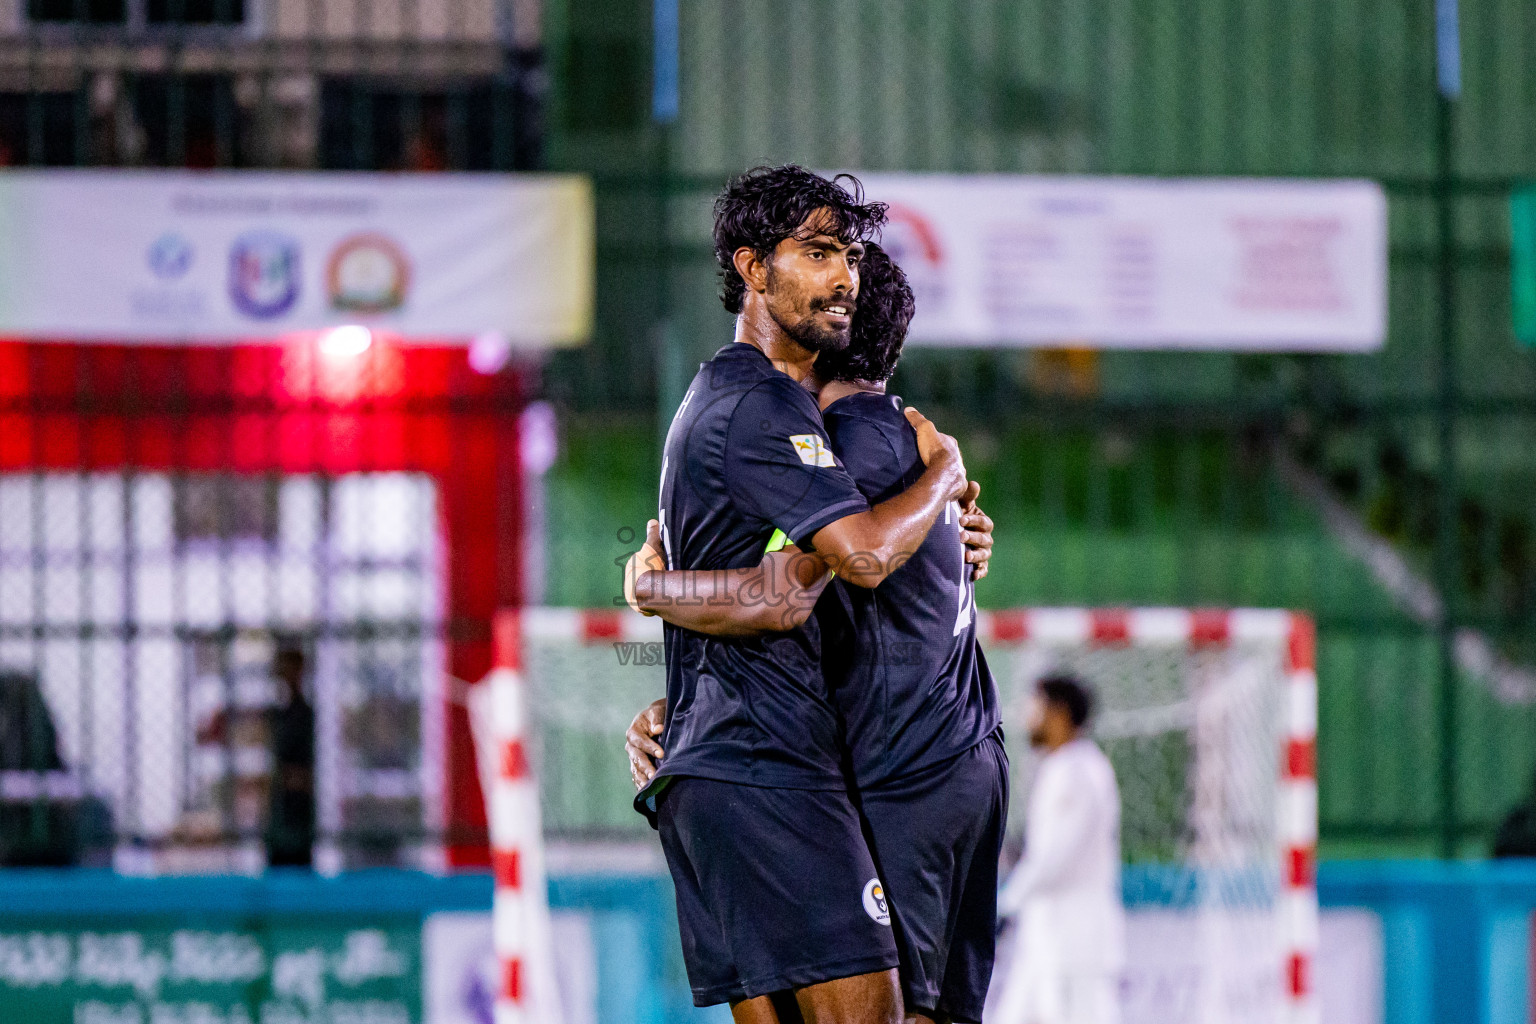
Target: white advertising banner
[(222, 256), (1198, 263)]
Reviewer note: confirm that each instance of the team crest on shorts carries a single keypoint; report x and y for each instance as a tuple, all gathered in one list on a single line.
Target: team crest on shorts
[(874, 903)]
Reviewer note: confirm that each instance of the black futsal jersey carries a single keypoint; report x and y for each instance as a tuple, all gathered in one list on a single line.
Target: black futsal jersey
[(747, 454), (921, 713), (906, 673)]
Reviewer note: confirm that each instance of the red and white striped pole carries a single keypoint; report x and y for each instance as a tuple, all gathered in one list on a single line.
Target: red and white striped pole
[(1298, 821), (526, 992), (1297, 826)]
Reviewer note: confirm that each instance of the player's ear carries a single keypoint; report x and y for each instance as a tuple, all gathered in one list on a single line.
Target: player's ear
[(752, 268)]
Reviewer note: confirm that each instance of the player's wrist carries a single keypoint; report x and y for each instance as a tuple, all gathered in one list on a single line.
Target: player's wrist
[(637, 584), (951, 473)]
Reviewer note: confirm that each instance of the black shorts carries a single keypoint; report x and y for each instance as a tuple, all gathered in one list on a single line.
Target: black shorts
[(775, 888), (936, 836)]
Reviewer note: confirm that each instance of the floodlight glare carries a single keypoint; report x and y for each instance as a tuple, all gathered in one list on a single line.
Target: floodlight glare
[(349, 340)]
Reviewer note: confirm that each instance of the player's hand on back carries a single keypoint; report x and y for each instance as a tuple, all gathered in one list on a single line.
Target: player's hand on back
[(937, 448), (640, 743), (975, 531), (648, 558)]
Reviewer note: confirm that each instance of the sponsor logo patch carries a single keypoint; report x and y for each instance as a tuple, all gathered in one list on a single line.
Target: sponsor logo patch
[(813, 451), (874, 903)]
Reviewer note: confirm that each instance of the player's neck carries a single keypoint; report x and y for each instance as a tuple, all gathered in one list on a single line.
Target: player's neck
[(1058, 740), (832, 390), (757, 328)]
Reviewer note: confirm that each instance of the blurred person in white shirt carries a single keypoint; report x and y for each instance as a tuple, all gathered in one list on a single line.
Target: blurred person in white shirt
[(1063, 897)]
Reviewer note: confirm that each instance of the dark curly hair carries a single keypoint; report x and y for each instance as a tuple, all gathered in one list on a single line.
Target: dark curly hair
[(879, 323), (764, 206), (1069, 693)]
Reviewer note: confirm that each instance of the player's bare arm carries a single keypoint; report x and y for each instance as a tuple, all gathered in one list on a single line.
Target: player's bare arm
[(701, 600), (775, 595), (865, 548)]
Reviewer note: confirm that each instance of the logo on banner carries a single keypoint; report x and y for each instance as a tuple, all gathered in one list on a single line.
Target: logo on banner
[(264, 274), (169, 256), (913, 243), (367, 273)]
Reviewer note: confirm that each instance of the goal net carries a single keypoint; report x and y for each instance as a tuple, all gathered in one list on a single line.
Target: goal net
[(1207, 716), (1209, 720)]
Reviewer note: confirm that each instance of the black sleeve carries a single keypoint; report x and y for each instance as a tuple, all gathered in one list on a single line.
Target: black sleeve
[(868, 455), (779, 465)]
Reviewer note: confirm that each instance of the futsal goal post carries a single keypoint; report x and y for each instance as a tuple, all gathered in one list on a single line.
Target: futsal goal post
[(1208, 716)]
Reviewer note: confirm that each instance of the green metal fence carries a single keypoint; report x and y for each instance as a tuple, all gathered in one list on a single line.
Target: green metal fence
[(1386, 493)]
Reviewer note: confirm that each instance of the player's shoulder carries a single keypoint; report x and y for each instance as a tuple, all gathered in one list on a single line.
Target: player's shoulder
[(771, 398), (780, 387), (881, 410), (871, 411), (1089, 757), (740, 376), (866, 416), (741, 367)]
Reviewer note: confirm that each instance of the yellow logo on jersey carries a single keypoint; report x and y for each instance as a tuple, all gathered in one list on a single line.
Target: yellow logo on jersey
[(813, 451)]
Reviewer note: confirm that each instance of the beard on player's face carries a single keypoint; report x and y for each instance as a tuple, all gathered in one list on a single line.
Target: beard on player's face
[(796, 313)]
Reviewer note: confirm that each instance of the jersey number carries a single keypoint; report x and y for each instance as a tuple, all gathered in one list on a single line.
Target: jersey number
[(967, 596), (661, 511)]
